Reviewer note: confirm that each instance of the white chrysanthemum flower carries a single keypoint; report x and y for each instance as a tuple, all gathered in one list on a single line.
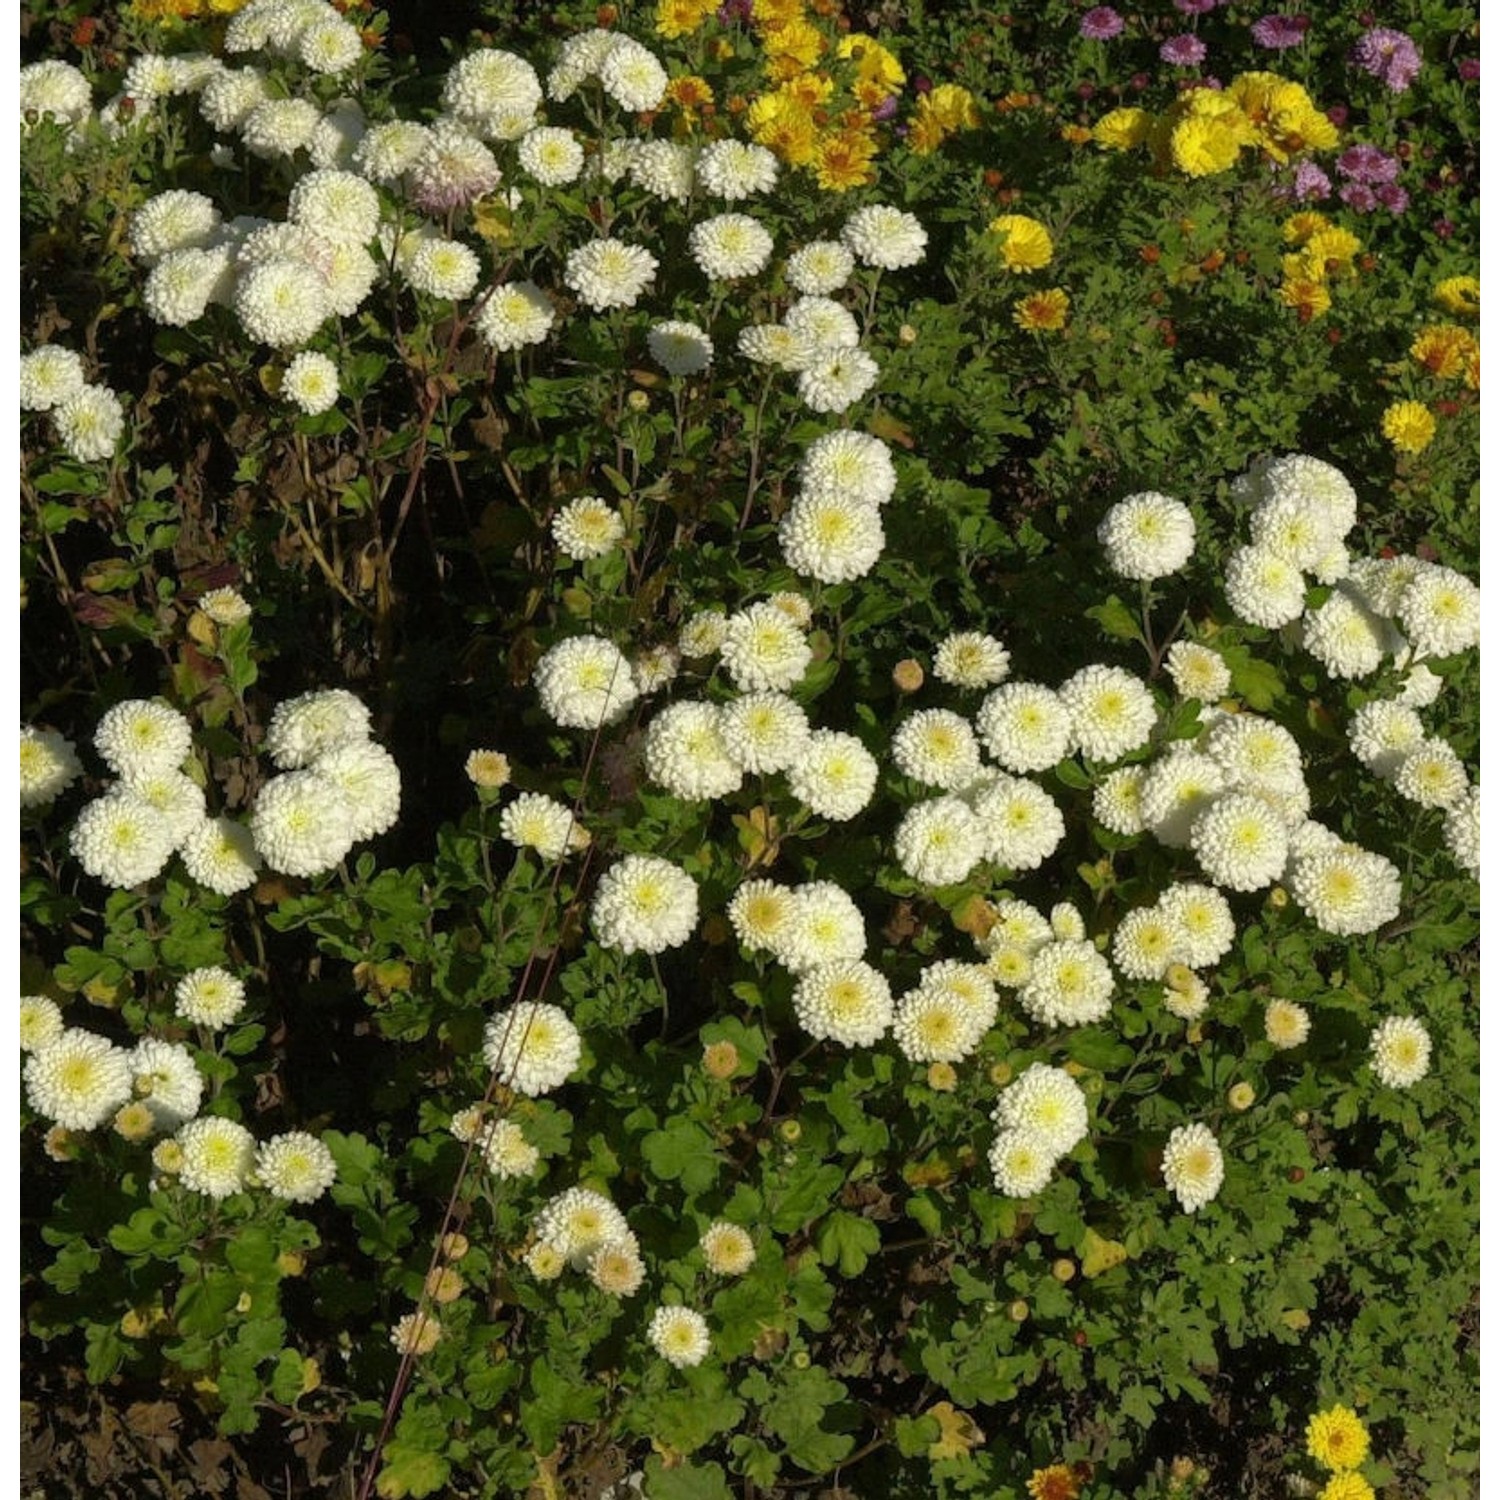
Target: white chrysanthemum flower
[(121, 839), (581, 57), (655, 668), (77, 1080), (225, 606), (532, 1048), (181, 286), (834, 775), (686, 752), (1420, 687), (330, 46), (1112, 711), (388, 150), (664, 169), (1022, 1162), (281, 303), (496, 94), (680, 348), (1193, 1166), (936, 747), (703, 633), (334, 205), (971, 659), (1382, 582), (1017, 924), (295, 1167), (774, 344), (1184, 995), (587, 527), (830, 537), (644, 904), (174, 220), (763, 915), (1432, 775), (1045, 1100), (1263, 588), (935, 1025), (1287, 1024), (608, 273), (577, 1222), (1440, 612), (167, 1079), (826, 927), (142, 735), (850, 464), (1256, 754), (730, 246), (417, 1333), (218, 1156), (551, 155), (312, 724), (1240, 842), (349, 274), (680, 1336), (846, 1001), (632, 76), (48, 376), (1070, 985), (513, 316), (277, 128), (443, 268), (823, 323), (1382, 734), (584, 682), (727, 1249), (763, 649), (230, 96), (1117, 801), (54, 90), (41, 1022), (1146, 943), (454, 170), (1302, 480), (764, 732), (89, 423), (939, 842), (370, 781), (617, 1268), (311, 382), (1461, 832), (1345, 637), (1197, 671), (176, 799), (1203, 917), (209, 997), (1400, 1051), (1302, 534), (1025, 726), (220, 854), (832, 380), (507, 1152), (1147, 536), (1347, 892), (302, 823), (534, 821), (885, 237), (1020, 825), (48, 767), (970, 986), (1067, 923), (148, 78), (1175, 790), (819, 268), (736, 169)]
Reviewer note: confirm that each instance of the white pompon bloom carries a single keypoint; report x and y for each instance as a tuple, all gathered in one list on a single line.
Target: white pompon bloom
[(587, 527), (311, 382), (1175, 789), (167, 1079), (1147, 536), (334, 205), (831, 538), (680, 1336), (210, 997), (496, 94), (77, 1080), (551, 154), (823, 323), (1146, 943), (302, 823), (764, 732), (295, 1167), (312, 724), (443, 268), (680, 348), (939, 842), (608, 273), (1382, 733), (848, 463), (936, 746), (584, 681), (664, 169), (728, 1250), (834, 775), (1022, 1162), (533, 1048), (1203, 917), (832, 380), (762, 648), (1070, 985), (730, 246), (370, 781), (121, 839), (686, 752), (535, 821), (1117, 801), (1048, 1101), (281, 302), (89, 423), (736, 169), (644, 904), (1193, 1166), (218, 1156), (885, 237), (1263, 588), (220, 854), (1440, 612), (514, 315), (632, 76), (1400, 1051), (1348, 891), (1240, 842), (1025, 726), (577, 1222), (825, 927), (48, 376), (846, 1001), (1197, 671), (1432, 775), (818, 268), (1112, 711), (1020, 824), (40, 1022), (174, 220), (970, 659), (48, 766), (142, 735), (1461, 832)]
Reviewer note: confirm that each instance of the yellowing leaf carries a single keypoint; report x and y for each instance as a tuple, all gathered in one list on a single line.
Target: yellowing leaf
[(491, 220), (1296, 1317), (1101, 1255), (958, 1436)]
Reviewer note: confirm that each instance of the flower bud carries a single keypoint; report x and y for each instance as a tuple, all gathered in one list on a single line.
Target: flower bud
[(1019, 1310), (721, 1060), (1064, 1269), (942, 1077), (791, 1131), (907, 675), (1241, 1097)]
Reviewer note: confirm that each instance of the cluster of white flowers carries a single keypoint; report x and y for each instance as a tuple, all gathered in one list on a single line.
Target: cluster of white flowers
[(219, 1157), (583, 1229), (945, 1016), (832, 530), (308, 31), (1042, 1116), (89, 419)]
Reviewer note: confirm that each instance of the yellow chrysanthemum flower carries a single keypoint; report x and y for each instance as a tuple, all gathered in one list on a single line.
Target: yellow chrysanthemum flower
[(1025, 244), (792, 49), (1055, 1482), (1042, 312), (1309, 299), (1300, 228), (1334, 249), (770, 14), (779, 124), (1122, 129), (1202, 147), (1458, 295), (955, 107), (1408, 426), (876, 64), (1337, 1439), (845, 161), (1347, 1485), (1444, 350), (682, 17)]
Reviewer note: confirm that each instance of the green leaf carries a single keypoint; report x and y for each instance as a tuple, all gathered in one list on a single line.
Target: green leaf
[(682, 1151), (685, 1481), (848, 1241), (407, 1470), (1116, 619)]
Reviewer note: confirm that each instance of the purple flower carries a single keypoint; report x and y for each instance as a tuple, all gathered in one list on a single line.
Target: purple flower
[(1279, 32), (1338, 114), (1310, 182), (885, 109), (1393, 196), (1359, 197), (1389, 55), (1195, 7), (733, 10), (1368, 164), (1185, 51), (1468, 69), (1101, 24)]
